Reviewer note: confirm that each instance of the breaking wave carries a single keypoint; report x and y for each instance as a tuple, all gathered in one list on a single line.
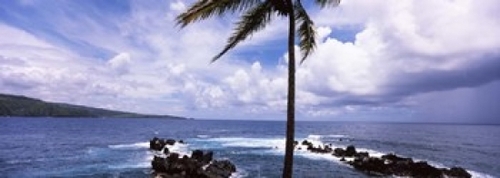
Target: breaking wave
[(138, 145)]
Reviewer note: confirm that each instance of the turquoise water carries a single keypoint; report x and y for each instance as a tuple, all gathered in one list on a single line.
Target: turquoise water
[(69, 147)]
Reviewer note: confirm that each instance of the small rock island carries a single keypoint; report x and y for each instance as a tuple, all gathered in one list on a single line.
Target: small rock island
[(200, 164)]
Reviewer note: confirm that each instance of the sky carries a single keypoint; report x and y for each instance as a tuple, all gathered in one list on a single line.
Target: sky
[(378, 60)]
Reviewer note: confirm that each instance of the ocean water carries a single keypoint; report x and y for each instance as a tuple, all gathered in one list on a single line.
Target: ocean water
[(71, 147)]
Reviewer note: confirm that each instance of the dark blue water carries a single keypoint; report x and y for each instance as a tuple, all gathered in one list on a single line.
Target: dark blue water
[(50, 147)]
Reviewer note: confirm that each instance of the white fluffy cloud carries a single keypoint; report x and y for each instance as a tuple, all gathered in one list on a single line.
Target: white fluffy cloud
[(403, 49)]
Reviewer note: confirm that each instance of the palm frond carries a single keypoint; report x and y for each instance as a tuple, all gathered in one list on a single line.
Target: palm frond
[(280, 7), (252, 21), (203, 9), (306, 31), (325, 3)]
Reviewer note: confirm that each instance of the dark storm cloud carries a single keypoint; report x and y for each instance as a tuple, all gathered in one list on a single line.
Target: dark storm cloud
[(471, 105), (475, 73)]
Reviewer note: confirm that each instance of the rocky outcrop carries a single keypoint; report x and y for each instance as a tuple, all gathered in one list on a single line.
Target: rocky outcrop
[(200, 164), (158, 144), (391, 164), (387, 165), (456, 172), (219, 169)]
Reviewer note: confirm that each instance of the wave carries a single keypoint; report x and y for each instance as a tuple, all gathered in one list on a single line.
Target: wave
[(182, 149), (245, 142), (273, 146), (269, 143), (143, 162), (479, 175), (276, 146), (314, 136), (138, 145), (203, 136), (240, 173)]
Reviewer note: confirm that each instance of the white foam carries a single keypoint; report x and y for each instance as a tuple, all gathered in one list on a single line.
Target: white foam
[(316, 156), (314, 137), (250, 142), (182, 149), (479, 175), (318, 137), (301, 150), (373, 153), (337, 136), (203, 136), (276, 146), (138, 145), (240, 173)]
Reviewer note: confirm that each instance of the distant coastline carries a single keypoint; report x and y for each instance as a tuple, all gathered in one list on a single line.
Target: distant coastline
[(22, 106)]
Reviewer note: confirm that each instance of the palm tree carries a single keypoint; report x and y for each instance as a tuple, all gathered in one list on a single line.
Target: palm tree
[(256, 15)]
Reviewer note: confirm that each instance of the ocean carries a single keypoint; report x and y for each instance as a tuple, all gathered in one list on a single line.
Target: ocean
[(104, 147)]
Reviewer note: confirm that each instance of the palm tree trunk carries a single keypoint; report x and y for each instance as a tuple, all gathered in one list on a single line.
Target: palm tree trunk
[(290, 121)]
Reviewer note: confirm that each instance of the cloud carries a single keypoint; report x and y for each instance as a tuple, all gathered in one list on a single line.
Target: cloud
[(153, 61), (132, 56), (120, 63), (470, 105), (402, 52)]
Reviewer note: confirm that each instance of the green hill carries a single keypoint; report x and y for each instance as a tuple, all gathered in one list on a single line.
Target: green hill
[(21, 106)]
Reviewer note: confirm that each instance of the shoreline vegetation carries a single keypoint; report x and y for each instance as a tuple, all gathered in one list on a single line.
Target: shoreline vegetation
[(22, 106)]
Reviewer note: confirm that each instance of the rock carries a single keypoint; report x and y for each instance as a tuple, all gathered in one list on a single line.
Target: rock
[(158, 164), (339, 152), (457, 172), (307, 143), (188, 167), (310, 148), (220, 169), (170, 141), (361, 155), (370, 165), (207, 157), (327, 149), (181, 141), (422, 169), (393, 165), (156, 144), (319, 149), (392, 158), (389, 164), (350, 151), (173, 157), (204, 158), (197, 155)]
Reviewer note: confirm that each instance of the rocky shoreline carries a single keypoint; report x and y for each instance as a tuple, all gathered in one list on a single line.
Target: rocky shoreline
[(386, 165), (200, 164), (168, 164)]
